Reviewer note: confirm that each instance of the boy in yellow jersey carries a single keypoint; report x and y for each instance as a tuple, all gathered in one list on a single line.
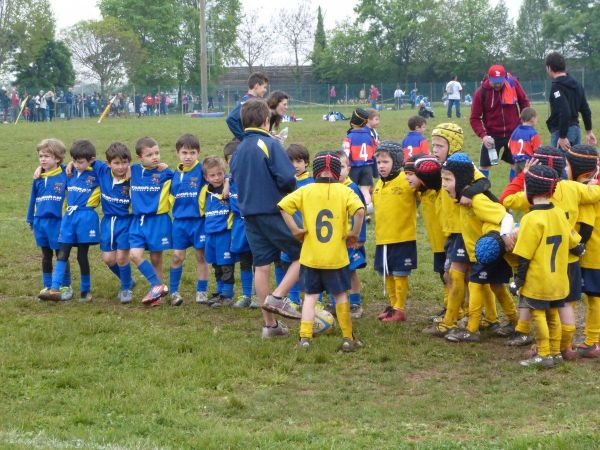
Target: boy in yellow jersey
[(569, 196), (395, 207), (325, 206), (424, 174), (543, 243), (484, 215), (447, 139)]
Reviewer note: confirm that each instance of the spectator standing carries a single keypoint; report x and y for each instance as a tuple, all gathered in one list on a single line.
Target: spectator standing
[(453, 89), (69, 103), (398, 94), (495, 114), (373, 96), (14, 105), (332, 94), (567, 101)]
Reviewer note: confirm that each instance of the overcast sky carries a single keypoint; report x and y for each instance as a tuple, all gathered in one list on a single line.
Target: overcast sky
[(334, 10)]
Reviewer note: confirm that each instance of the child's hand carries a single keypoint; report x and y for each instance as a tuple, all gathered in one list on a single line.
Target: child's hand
[(161, 167), (69, 169), (225, 193), (38, 173), (299, 234), (465, 201), (530, 163), (352, 240), (509, 242)]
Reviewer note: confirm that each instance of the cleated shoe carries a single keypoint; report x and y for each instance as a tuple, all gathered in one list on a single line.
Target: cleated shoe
[(125, 296), (350, 345), (569, 354), (463, 335), (437, 318), (156, 302), (52, 295), (386, 312), (155, 294), (176, 299), (505, 330), (242, 302), (356, 311), (588, 351), (85, 297), (279, 330), (558, 359), (397, 315), (281, 306), (489, 327), (254, 304), (519, 340), (213, 298), (438, 330), (221, 302), (66, 293), (303, 344), (546, 362), (201, 298)]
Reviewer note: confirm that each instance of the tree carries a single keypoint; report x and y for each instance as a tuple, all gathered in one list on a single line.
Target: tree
[(50, 69), (105, 49), (294, 27), (253, 41), (528, 42), (320, 59)]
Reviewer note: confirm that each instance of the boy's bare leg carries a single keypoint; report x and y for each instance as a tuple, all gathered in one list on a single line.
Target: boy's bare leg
[(290, 278), (262, 275)]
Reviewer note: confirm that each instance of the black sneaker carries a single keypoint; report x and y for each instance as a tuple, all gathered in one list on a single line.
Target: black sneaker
[(463, 335), (519, 340)]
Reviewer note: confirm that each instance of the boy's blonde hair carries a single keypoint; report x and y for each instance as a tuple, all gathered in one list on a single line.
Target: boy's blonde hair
[(372, 113), (53, 146), (211, 162)]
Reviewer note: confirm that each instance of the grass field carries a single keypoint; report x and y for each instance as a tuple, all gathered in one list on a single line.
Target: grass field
[(105, 376)]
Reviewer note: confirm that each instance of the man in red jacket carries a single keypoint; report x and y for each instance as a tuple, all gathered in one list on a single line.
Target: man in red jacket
[(495, 112)]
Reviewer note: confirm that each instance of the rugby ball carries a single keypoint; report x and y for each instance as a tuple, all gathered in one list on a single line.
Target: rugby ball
[(324, 323)]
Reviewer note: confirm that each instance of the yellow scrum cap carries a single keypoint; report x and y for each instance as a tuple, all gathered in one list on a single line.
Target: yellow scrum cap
[(453, 135)]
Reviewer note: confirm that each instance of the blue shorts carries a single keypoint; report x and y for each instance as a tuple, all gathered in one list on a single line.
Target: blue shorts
[(401, 258), (239, 242), (46, 231), (151, 232), (358, 258), (456, 250), (590, 282), (439, 262), (268, 236), (188, 233), (218, 249), (498, 272), (333, 281), (530, 303), (82, 226), (574, 272), (114, 233)]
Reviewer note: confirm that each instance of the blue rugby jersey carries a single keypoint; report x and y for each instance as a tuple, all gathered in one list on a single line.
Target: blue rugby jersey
[(83, 189), (217, 213), (115, 196), (150, 190), (302, 180), (362, 236), (185, 189), (48, 195)]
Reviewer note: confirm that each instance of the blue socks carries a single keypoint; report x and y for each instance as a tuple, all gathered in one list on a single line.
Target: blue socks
[(355, 298), (66, 281), (246, 277), (227, 290), (295, 293), (175, 278), (201, 285), (125, 276), (220, 287), (59, 273), (47, 280), (279, 274), (86, 283), (115, 269), (148, 271)]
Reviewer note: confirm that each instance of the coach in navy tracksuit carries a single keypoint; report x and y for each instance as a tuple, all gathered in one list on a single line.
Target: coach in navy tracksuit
[(257, 87)]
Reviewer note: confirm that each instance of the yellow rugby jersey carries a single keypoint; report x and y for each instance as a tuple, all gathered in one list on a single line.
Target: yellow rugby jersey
[(395, 207), (483, 216), (450, 212), (325, 208), (590, 214), (545, 237), (431, 206)]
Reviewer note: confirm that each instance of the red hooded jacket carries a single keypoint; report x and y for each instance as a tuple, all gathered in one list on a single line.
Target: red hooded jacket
[(494, 118)]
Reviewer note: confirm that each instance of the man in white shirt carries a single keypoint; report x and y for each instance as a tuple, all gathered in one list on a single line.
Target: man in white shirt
[(453, 89), (398, 93)]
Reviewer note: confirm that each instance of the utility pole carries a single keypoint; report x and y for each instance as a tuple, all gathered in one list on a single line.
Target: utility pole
[(203, 56)]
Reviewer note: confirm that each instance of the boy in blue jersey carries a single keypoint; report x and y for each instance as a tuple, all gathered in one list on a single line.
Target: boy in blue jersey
[(299, 157), (80, 226), (151, 225), (258, 84), (218, 219), (188, 226), (239, 242), (415, 142), (45, 209), (115, 200), (524, 141)]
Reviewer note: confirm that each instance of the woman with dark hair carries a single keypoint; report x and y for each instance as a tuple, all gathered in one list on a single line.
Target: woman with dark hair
[(278, 104)]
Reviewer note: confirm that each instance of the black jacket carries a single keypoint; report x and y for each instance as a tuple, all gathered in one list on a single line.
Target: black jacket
[(567, 100)]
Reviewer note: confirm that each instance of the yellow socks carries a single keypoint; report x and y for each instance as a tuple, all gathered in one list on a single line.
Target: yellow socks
[(554, 330), (342, 310), (542, 334), (401, 288), (390, 287), (522, 326), (446, 295), (506, 301), (592, 320), (456, 295), (566, 340), (479, 294), (489, 303), (306, 329)]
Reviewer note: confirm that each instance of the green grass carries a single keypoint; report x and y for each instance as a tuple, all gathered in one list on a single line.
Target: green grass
[(107, 376)]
